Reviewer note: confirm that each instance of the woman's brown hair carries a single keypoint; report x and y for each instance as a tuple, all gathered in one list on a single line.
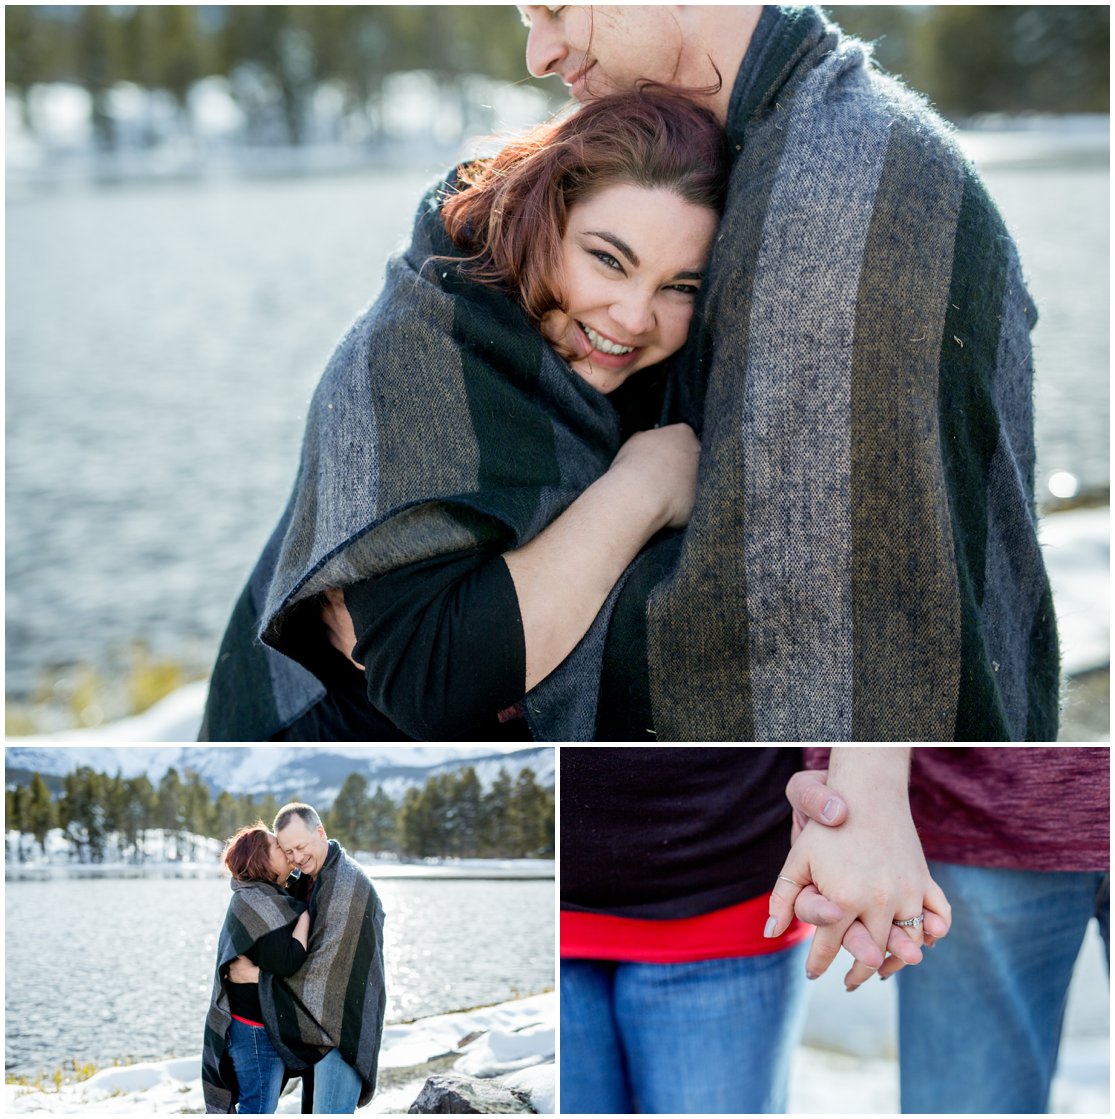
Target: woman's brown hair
[(512, 211), (248, 854)]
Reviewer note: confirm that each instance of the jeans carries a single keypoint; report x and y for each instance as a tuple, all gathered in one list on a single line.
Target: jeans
[(336, 1085), (979, 1022), (713, 1037), (259, 1069)]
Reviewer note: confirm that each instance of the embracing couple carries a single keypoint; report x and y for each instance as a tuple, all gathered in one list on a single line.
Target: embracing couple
[(299, 988), (685, 914), (701, 414)]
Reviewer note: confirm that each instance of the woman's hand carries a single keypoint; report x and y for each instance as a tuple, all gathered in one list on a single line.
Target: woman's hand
[(338, 623), (872, 867), (242, 970), (301, 931), (663, 462), (565, 574)]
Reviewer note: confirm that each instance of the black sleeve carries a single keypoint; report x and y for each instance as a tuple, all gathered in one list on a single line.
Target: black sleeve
[(279, 953), (442, 644)]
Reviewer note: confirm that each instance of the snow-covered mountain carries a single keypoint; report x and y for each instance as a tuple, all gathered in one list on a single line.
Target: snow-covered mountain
[(313, 773)]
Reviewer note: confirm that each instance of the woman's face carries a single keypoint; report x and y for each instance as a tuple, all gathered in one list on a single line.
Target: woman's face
[(280, 864), (632, 261)]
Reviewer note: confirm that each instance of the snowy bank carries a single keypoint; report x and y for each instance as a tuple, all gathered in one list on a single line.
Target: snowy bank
[(513, 1041), (848, 1062), (1077, 550)]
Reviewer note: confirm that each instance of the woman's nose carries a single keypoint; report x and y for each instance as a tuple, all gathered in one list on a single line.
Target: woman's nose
[(634, 313), (545, 49)]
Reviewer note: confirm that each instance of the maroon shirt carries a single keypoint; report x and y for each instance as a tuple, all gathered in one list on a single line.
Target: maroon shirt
[(1013, 807)]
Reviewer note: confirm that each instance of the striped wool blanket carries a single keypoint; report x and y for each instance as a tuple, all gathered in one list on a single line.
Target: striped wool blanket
[(862, 562), (254, 910), (336, 999), (442, 422)]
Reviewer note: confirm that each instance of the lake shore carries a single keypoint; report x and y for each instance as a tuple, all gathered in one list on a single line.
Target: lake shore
[(57, 863), (514, 1041)]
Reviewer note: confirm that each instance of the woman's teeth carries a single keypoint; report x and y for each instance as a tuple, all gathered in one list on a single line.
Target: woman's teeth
[(604, 345)]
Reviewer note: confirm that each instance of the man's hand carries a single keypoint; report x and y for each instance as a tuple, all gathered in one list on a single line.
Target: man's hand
[(812, 799), (338, 623), (242, 970)]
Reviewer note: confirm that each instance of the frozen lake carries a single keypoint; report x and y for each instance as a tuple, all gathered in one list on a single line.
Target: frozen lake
[(163, 340), (97, 970)]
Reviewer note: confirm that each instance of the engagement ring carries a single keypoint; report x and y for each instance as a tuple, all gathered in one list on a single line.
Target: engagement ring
[(910, 922)]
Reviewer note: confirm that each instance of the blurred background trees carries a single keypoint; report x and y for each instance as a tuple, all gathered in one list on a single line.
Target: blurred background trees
[(971, 59), (277, 59), (452, 815)]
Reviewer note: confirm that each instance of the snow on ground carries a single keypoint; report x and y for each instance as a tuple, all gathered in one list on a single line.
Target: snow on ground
[(515, 1037), (1077, 550), (848, 1065)]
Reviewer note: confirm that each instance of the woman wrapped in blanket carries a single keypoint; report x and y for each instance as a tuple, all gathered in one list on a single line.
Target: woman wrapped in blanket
[(271, 928), (591, 235)]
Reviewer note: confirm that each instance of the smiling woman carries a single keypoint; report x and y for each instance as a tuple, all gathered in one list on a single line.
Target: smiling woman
[(632, 261), (477, 474)]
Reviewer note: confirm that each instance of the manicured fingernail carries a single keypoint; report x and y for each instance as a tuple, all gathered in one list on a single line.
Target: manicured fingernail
[(829, 810), (771, 925), (883, 978), (812, 975)]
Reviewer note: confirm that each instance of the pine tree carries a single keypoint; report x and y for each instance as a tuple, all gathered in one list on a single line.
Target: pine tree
[(171, 818), (383, 828), (498, 841), (468, 799), (15, 815), (226, 816), (347, 820)]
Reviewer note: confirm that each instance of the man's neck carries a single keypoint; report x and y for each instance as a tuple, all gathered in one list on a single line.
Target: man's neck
[(720, 37)]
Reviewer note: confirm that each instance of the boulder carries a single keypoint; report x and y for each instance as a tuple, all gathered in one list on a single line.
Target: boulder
[(461, 1095)]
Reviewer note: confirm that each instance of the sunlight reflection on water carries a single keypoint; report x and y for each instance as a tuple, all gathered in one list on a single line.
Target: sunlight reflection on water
[(118, 968)]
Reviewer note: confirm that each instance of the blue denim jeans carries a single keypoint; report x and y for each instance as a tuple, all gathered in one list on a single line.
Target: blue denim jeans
[(259, 1069), (713, 1037), (979, 1022), (336, 1085)]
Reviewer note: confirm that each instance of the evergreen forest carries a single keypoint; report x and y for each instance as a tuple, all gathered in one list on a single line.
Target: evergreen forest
[(452, 815)]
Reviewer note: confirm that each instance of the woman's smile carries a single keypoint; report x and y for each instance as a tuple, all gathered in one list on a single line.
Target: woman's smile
[(632, 259)]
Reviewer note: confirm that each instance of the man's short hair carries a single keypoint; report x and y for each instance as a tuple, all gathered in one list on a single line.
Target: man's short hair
[(308, 816)]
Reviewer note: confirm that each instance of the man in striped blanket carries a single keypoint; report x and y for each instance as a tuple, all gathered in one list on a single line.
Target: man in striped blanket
[(328, 1016), (862, 561)]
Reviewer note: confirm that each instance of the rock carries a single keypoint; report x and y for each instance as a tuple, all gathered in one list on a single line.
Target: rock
[(461, 1095)]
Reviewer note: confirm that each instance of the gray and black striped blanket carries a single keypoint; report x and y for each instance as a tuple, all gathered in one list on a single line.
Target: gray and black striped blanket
[(336, 999), (443, 421), (254, 910), (862, 562)]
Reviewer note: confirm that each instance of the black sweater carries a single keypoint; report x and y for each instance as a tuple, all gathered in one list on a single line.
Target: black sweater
[(665, 832), (442, 643), (277, 952)]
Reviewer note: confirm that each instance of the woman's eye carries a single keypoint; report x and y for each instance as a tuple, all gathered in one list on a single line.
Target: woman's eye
[(685, 289), (607, 259)]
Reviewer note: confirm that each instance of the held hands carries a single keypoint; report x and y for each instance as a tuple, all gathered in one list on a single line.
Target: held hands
[(854, 879), (663, 462)]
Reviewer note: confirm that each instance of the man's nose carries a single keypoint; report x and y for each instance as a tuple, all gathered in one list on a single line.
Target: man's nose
[(545, 50)]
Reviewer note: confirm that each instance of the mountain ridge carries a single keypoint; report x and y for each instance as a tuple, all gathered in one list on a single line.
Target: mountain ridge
[(312, 773)]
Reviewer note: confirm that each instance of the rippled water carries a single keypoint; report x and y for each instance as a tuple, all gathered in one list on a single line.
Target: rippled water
[(162, 341), (123, 968)]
